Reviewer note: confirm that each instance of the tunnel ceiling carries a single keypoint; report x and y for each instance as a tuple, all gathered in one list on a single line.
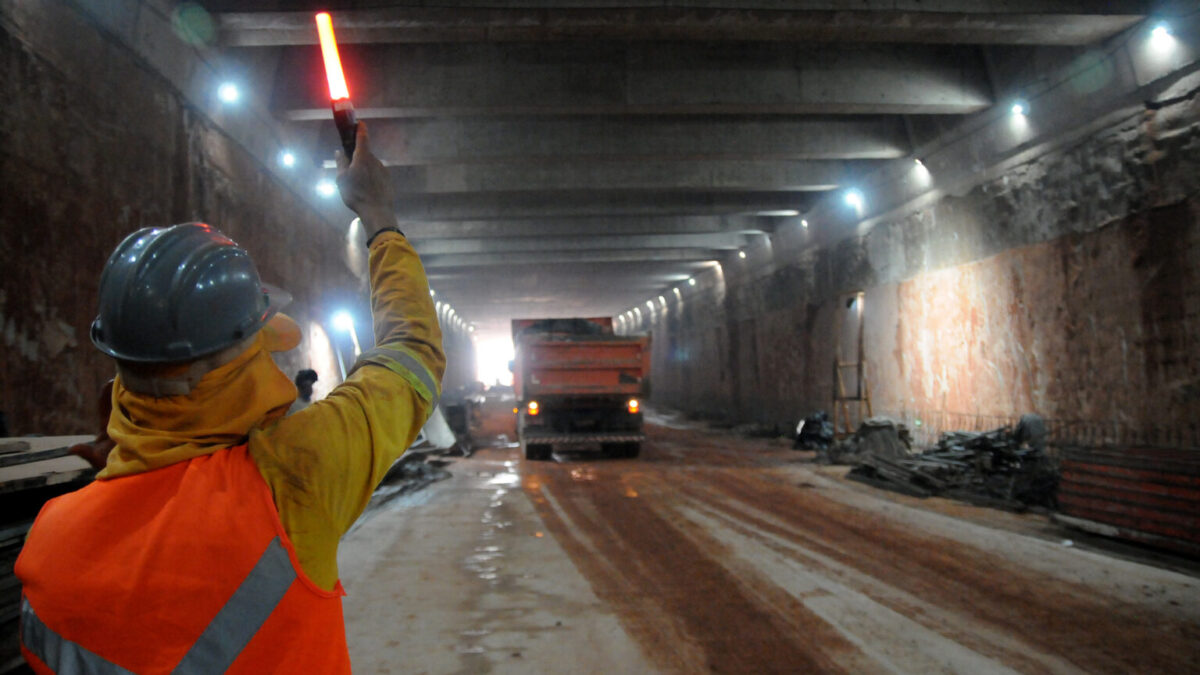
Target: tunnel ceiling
[(559, 158)]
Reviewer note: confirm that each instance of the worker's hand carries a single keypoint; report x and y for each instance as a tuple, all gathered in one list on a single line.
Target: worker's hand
[(364, 184), (96, 452)]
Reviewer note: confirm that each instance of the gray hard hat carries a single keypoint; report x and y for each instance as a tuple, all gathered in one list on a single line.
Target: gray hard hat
[(179, 293)]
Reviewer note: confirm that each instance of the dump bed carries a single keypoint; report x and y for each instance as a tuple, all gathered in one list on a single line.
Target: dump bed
[(557, 358)]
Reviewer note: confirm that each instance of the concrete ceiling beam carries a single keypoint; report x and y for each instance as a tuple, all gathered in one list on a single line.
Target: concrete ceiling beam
[(607, 78), (573, 227), (471, 261), (477, 206), (1051, 23), (717, 241), (404, 142), (792, 175)]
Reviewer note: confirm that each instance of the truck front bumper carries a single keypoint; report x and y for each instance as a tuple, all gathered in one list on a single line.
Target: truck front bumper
[(559, 438)]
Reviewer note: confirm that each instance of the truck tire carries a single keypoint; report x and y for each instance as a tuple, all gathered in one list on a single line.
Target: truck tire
[(537, 452), (631, 450)]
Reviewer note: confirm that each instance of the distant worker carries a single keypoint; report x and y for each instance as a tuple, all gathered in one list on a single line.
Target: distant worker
[(305, 379), (208, 543)]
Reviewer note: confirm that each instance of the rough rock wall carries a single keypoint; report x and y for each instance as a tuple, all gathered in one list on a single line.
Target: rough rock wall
[(1068, 287), (96, 144)]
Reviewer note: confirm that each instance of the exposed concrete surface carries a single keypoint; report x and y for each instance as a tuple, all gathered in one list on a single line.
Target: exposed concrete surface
[(716, 553), (97, 146), (1065, 287)]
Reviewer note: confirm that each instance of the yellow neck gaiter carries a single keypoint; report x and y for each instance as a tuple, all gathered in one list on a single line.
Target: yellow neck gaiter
[(150, 433)]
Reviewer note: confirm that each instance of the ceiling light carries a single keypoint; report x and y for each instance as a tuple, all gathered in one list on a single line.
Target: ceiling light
[(854, 198), (1019, 109), (1161, 38), (326, 188), (779, 213), (742, 254), (228, 93), (287, 159), (804, 223), (343, 321), (919, 163)]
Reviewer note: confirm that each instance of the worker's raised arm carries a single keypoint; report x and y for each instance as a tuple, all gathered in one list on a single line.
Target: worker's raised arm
[(401, 306), (324, 462)]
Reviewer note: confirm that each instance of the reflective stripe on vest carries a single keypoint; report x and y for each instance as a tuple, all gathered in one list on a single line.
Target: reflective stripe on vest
[(213, 652), (59, 655)]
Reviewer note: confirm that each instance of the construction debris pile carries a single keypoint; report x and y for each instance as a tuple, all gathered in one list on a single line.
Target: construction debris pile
[(990, 468), (877, 436)]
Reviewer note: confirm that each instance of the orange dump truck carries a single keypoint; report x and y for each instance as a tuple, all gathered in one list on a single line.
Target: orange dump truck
[(579, 385)]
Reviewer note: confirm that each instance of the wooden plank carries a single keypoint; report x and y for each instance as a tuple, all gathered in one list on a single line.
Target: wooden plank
[(47, 469), (9, 445)]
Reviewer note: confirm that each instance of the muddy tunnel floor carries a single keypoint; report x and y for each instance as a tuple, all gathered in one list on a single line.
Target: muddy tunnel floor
[(715, 553)]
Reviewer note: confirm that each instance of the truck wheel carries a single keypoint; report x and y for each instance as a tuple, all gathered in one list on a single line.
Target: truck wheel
[(537, 452)]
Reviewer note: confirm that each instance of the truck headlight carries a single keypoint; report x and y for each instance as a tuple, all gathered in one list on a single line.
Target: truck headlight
[(533, 408), (634, 406)]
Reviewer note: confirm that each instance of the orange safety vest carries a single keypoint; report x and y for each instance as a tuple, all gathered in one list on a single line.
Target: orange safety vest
[(183, 569)]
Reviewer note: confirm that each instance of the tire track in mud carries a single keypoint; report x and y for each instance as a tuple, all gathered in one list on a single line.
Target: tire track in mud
[(1055, 616), (686, 608)]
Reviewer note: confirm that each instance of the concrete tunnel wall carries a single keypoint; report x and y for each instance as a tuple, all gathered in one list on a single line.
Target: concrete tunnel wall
[(102, 137), (1069, 286)]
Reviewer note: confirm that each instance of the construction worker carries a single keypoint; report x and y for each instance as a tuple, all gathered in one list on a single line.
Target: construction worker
[(305, 379), (208, 542)]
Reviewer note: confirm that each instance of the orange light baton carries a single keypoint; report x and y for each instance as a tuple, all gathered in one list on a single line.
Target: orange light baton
[(339, 94)]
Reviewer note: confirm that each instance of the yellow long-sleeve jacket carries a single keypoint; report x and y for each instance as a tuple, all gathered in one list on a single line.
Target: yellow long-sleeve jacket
[(324, 462)]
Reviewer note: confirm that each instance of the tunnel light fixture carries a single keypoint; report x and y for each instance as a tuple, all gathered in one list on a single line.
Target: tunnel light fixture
[(1019, 109), (432, 293), (779, 213), (804, 223), (228, 92), (471, 329), (742, 255), (287, 159), (326, 188), (919, 163), (343, 321), (854, 199), (1161, 39), (692, 281), (649, 304)]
